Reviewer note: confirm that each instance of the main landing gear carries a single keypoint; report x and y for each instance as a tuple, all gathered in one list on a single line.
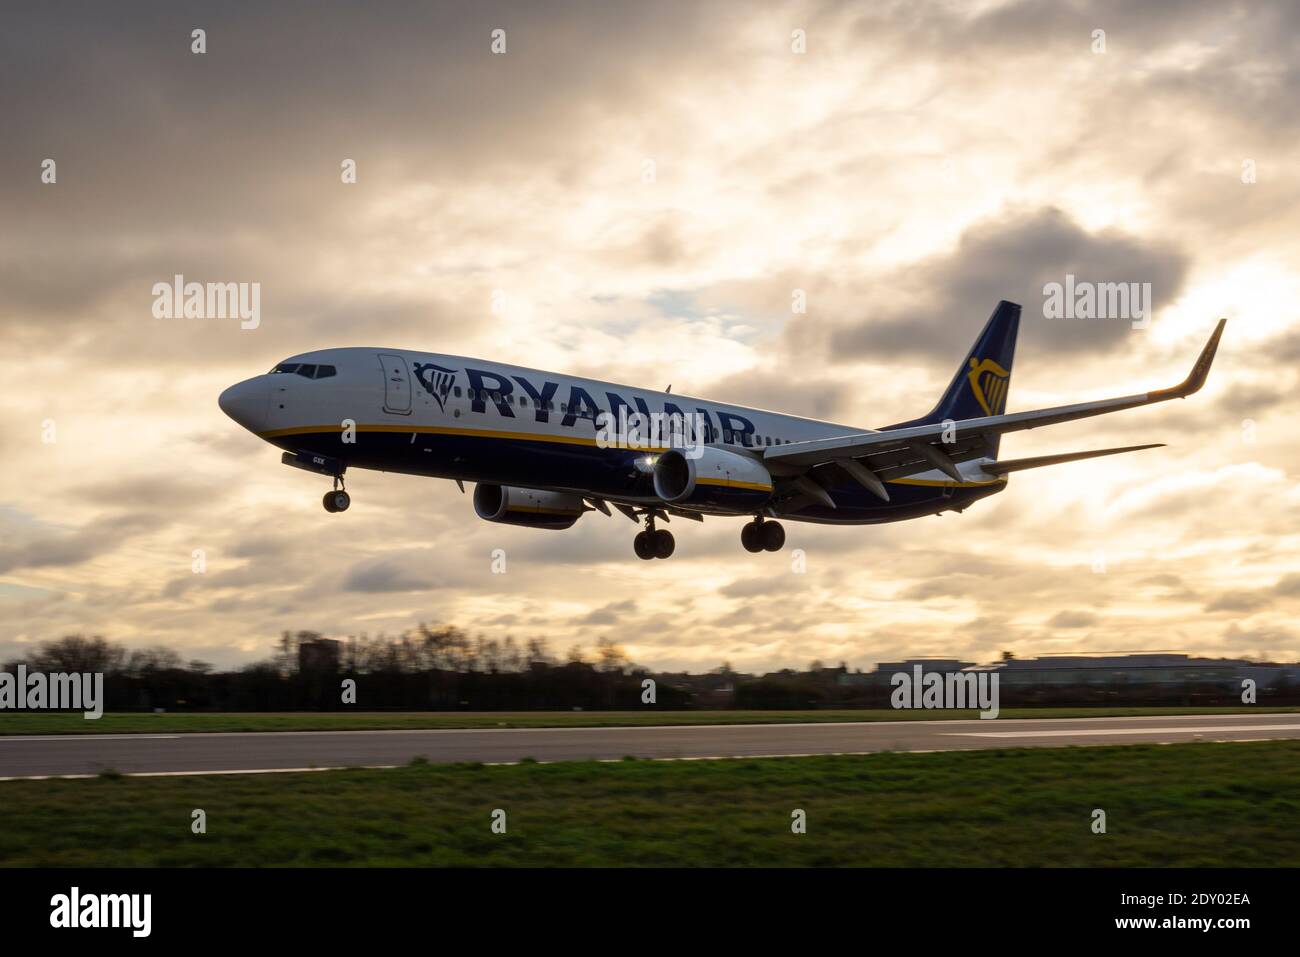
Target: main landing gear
[(760, 535), (337, 500), (653, 543)]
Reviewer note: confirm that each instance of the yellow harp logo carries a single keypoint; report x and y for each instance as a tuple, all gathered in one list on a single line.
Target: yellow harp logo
[(989, 381)]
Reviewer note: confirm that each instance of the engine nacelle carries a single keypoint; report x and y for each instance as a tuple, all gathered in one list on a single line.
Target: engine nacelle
[(718, 479), (509, 505)]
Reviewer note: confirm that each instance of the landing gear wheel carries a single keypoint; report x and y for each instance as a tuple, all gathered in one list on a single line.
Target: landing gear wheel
[(643, 545), (773, 536), (663, 543), (337, 501), (751, 536)]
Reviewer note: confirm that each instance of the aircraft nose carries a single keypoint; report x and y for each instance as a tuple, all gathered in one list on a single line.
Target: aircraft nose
[(246, 403)]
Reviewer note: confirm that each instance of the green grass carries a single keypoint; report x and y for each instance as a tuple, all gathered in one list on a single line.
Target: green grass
[(1205, 805), (172, 723)]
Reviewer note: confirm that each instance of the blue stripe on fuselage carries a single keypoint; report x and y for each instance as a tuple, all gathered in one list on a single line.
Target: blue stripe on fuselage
[(538, 463)]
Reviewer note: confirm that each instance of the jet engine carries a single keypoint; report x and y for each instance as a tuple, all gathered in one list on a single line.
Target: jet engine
[(716, 479), (509, 505)]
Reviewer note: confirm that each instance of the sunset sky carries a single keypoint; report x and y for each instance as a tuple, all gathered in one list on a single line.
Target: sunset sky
[(634, 191)]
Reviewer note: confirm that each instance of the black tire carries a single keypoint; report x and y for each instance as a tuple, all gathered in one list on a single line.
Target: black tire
[(341, 501), (664, 543), (773, 536), (328, 502), (751, 537), (642, 546)]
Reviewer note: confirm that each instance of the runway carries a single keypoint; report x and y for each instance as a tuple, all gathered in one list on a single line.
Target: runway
[(267, 752)]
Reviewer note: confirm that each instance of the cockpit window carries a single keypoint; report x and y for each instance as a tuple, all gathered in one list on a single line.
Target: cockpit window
[(305, 369)]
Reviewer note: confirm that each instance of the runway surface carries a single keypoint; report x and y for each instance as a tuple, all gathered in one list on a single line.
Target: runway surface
[(262, 752)]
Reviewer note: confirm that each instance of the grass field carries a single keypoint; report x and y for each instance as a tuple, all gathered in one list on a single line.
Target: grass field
[(1174, 805), (46, 723)]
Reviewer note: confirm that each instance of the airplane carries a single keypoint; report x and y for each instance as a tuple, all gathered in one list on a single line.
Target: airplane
[(544, 449)]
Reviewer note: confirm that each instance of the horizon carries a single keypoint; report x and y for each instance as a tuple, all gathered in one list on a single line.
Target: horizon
[(539, 651)]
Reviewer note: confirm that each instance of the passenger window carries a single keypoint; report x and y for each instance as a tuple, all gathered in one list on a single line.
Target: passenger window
[(523, 401), (457, 391)]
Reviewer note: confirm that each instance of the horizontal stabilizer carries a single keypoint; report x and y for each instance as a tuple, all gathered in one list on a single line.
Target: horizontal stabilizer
[(1017, 465)]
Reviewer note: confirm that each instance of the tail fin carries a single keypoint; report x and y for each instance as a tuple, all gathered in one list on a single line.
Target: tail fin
[(982, 381)]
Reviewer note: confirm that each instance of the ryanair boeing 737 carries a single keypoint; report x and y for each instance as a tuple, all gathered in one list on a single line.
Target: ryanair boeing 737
[(544, 449)]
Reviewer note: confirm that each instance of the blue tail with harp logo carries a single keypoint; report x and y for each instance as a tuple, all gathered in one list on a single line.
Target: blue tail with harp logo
[(979, 387)]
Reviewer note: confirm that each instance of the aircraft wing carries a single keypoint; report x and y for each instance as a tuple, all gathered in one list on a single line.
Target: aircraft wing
[(897, 452)]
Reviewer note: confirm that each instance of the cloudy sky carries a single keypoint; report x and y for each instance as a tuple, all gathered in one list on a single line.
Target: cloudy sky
[(635, 191)]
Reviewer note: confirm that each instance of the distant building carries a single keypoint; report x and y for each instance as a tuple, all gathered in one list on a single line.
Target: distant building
[(927, 665), (1162, 669), (885, 670), (319, 655)]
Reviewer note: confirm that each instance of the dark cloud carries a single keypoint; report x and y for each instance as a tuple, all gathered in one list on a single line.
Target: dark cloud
[(388, 574), (1288, 586), (1257, 599), (936, 307), (1072, 618), (1249, 400), (760, 586), (160, 491), (56, 548), (260, 545), (613, 613), (1238, 601), (950, 585)]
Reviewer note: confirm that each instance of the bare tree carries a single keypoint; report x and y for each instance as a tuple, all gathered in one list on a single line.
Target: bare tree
[(76, 653)]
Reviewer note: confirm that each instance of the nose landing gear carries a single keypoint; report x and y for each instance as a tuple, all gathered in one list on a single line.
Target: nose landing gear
[(760, 535), (338, 499)]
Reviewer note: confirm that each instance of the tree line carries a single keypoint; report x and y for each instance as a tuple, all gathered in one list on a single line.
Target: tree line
[(445, 668), (441, 668)]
